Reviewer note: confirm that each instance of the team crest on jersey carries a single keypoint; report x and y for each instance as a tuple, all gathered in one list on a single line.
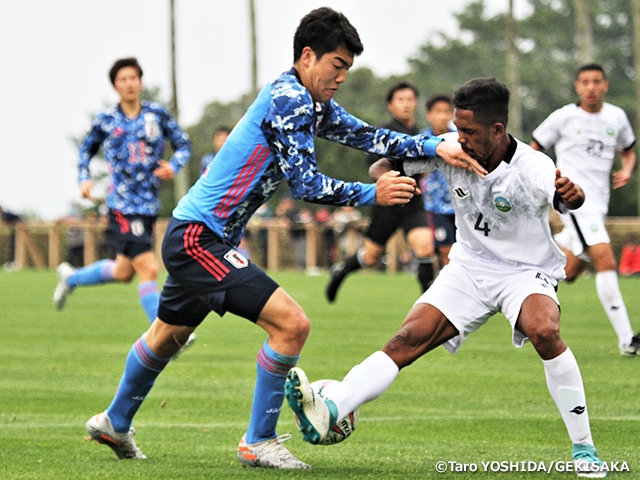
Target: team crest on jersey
[(611, 131), (137, 228), (461, 192), (235, 259), (502, 204), (151, 127)]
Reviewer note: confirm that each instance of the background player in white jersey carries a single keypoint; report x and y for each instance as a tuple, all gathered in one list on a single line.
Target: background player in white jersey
[(586, 137), (504, 260)]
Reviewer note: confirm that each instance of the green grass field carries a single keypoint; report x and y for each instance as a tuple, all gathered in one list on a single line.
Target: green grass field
[(487, 403)]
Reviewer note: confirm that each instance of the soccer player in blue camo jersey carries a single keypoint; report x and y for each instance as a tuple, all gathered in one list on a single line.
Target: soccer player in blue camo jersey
[(504, 260), (437, 201), (272, 143), (132, 135)]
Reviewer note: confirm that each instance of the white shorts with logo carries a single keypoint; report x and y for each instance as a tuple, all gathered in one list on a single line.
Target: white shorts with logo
[(581, 230), (468, 297)]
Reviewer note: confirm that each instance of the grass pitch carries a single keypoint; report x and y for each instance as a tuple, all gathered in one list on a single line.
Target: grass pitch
[(487, 403)]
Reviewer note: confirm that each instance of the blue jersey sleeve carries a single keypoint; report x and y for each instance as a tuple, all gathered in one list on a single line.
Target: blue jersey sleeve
[(179, 141), (89, 147), (289, 127), (340, 126)]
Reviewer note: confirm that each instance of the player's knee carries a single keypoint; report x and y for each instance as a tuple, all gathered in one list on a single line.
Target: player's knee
[(123, 277), (296, 327), (545, 332)]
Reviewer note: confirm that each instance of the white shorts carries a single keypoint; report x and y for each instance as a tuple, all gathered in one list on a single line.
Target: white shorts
[(468, 297), (581, 230)]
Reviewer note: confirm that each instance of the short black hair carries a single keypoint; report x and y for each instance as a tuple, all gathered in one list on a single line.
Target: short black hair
[(438, 97), (487, 98), (324, 30), (401, 85), (122, 63), (591, 66)]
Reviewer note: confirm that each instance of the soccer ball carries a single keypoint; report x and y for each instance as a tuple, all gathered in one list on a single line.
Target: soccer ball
[(345, 427)]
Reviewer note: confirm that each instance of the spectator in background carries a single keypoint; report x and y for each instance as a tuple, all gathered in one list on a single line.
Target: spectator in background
[(435, 189), (630, 256), (10, 219), (219, 137)]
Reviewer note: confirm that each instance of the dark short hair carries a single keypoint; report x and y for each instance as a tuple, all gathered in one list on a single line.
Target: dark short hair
[(487, 98), (324, 30), (402, 85), (439, 97), (122, 63), (591, 66), (222, 128)]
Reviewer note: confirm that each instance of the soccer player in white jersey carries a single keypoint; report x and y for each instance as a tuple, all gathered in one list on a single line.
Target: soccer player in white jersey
[(504, 260), (586, 137)]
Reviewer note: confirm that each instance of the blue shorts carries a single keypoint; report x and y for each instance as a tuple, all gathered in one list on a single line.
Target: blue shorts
[(132, 233), (444, 228), (206, 274)]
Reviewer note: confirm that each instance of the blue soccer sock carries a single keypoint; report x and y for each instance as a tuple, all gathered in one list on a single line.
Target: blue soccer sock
[(94, 274), (149, 298), (140, 372), (269, 393)]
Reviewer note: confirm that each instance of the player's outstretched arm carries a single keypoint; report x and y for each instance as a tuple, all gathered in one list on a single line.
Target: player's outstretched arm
[(393, 189), (85, 190), (571, 193), (454, 156)]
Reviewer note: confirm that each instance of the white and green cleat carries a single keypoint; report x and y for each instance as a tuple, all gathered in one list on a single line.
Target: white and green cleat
[(586, 461)]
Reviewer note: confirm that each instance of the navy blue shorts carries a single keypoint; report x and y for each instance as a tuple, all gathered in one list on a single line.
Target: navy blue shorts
[(132, 233), (386, 220), (206, 274), (444, 228)]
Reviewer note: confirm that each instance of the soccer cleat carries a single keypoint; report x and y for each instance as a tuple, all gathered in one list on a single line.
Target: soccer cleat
[(268, 454), (338, 274), (65, 270), (100, 429), (586, 461), (633, 348), (314, 415)]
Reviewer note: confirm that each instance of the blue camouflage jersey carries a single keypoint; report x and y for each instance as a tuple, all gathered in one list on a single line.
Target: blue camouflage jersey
[(273, 142), (436, 190), (132, 148)]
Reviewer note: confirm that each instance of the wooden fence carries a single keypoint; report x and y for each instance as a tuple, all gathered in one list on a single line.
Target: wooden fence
[(43, 245)]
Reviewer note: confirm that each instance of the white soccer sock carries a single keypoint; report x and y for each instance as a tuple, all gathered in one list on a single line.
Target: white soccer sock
[(566, 389), (611, 299), (365, 382)]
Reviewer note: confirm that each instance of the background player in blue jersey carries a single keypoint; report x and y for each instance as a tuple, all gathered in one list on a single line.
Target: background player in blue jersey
[(132, 135), (435, 188), (272, 143)]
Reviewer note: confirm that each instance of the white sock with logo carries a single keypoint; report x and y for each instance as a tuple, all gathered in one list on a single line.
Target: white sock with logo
[(364, 383), (611, 299), (566, 389)]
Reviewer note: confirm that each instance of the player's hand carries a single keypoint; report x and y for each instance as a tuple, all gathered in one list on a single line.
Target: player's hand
[(393, 189), (164, 171), (571, 193), (621, 178), (85, 190), (456, 157)]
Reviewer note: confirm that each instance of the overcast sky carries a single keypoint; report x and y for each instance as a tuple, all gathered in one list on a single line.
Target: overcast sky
[(56, 54)]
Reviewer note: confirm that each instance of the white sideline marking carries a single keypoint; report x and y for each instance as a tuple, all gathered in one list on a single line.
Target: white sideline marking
[(17, 424)]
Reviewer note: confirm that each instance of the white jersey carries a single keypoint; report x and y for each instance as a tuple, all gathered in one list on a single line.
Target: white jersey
[(502, 219), (585, 145)]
